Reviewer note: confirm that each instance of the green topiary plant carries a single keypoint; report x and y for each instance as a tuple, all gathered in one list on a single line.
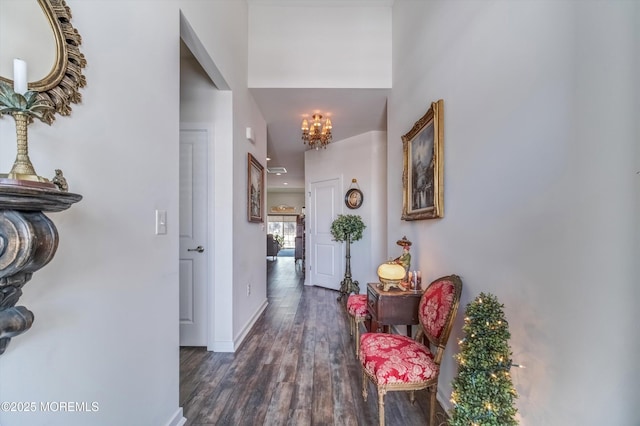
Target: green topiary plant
[(347, 225), (483, 393)]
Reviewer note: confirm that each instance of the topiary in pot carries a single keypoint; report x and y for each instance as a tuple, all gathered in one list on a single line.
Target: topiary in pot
[(348, 228)]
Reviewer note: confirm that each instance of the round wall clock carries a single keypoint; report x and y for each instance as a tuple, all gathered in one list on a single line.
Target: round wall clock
[(353, 198)]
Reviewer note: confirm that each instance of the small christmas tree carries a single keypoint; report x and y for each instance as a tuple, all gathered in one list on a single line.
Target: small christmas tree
[(483, 393)]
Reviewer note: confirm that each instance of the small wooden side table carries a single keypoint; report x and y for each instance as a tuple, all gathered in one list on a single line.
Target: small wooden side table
[(393, 307)]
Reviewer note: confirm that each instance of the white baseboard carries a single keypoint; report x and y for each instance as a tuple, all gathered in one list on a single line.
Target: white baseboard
[(221, 346), (232, 345), (247, 328), (177, 419)]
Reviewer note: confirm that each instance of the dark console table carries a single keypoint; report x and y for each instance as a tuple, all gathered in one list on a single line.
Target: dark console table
[(393, 307)]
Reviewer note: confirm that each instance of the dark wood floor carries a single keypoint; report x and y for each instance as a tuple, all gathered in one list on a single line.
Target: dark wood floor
[(296, 367)]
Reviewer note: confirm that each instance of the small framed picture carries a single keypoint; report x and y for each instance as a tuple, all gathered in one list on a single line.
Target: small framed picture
[(353, 198), (255, 190)]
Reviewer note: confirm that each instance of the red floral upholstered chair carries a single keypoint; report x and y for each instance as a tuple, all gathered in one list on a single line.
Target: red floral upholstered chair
[(398, 363), (358, 312)]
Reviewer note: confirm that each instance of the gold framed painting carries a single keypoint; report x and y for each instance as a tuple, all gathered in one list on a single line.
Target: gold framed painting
[(422, 177), (255, 190)]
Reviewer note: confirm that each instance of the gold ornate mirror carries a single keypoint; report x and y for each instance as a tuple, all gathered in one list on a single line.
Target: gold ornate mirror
[(60, 86)]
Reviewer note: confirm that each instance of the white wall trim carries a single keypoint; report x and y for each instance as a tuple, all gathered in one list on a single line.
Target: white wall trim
[(222, 346), (247, 328), (196, 47), (178, 419)]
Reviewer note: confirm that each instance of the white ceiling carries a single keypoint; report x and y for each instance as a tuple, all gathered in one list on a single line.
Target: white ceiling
[(352, 112)]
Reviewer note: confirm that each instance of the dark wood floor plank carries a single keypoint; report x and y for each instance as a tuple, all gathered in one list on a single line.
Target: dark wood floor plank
[(343, 397), (322, 399), (296, 367), (289, 362), (190, 360), (300, 417), (211, 413), (207, 389), (279, 409)]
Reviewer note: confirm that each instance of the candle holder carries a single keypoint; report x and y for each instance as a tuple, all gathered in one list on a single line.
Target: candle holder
[(23, 108)]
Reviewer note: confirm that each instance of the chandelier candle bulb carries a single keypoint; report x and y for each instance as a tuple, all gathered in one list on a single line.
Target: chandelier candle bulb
[(19, 76)]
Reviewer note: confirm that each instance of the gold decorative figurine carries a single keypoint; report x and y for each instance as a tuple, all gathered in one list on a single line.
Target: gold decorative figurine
[(405, 258), (60, 181), (393, 274)]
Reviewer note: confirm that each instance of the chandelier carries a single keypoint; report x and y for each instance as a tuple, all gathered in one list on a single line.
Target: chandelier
[(317, 135)]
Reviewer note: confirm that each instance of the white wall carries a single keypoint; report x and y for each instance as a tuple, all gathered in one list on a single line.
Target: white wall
[(635, 347), (343, 44), (338, 160), (197, 94), (539, 122), (289, 198), (106, 312)]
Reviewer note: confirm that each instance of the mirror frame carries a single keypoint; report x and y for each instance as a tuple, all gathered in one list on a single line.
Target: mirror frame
[(61, 86)]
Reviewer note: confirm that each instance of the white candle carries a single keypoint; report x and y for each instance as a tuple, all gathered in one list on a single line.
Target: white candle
[(19, 76)]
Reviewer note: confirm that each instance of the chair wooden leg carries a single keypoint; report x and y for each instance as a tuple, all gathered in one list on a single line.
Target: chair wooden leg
[(381, 406), (357, 333), (351, 325), (364, 385), (432, 404)]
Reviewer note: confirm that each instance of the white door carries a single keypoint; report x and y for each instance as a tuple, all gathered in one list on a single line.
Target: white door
[(326, 254), (193, 237)]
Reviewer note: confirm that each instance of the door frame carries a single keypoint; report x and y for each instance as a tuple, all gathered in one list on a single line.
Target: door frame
[(221, 155), (210, 227)]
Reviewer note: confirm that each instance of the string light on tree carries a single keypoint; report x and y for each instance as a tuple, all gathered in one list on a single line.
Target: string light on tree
[(483, 393)]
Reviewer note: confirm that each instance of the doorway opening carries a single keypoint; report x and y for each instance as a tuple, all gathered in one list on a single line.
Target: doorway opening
[(206, 105), (283, 227)]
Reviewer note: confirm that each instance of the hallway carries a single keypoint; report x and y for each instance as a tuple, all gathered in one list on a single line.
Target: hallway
[(296, 367)]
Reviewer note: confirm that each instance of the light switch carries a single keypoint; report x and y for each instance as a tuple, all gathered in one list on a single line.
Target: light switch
[(161, 222)]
